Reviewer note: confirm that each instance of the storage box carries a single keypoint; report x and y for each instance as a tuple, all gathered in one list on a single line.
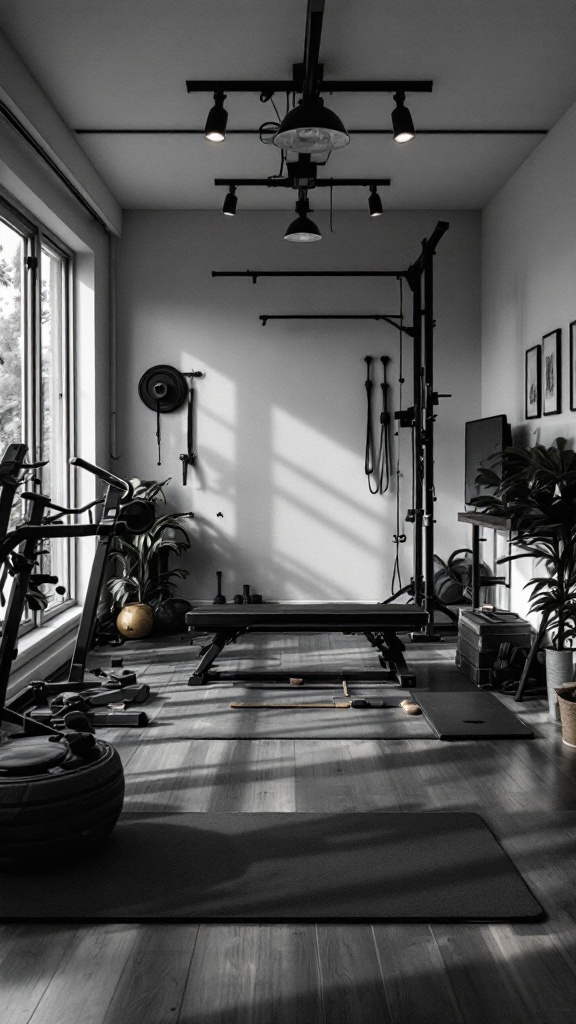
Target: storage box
[(479, 637)]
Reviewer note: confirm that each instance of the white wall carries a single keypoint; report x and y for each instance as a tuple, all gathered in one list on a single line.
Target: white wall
[(281, 410), (528, 289)]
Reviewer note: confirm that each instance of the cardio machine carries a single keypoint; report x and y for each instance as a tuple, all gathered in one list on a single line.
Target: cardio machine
[(61, 788), (91, 694)]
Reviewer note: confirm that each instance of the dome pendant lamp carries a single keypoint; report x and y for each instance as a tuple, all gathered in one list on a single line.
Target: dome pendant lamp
[(302, 229), (311, 128)]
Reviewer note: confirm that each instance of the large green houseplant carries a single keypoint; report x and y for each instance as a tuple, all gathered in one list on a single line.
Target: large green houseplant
[(143, 579), (536, 487)]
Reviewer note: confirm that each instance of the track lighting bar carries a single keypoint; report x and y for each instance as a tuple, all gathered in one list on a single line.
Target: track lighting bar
[(271, 86), (288, 183), (351, 131)]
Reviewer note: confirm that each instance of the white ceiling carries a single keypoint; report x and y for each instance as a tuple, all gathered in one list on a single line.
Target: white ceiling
[(124, 63)]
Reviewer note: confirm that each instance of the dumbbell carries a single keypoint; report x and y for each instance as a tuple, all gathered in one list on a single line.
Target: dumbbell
[(219, 599)]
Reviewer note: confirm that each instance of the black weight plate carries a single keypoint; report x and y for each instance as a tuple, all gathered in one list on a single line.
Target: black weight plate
[(174, 382), (31, 754)]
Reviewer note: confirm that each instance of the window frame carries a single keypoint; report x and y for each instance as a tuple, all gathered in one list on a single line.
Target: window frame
[(36, 237)]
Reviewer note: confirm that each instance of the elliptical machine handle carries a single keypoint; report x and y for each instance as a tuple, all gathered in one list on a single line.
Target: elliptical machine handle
[(103, 474)]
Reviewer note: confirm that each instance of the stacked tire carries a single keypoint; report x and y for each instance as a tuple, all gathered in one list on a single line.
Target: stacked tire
[(58, 812)]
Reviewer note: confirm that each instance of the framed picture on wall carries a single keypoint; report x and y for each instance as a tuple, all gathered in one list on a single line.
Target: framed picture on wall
[(551, 382), (532, 386), (573, 365)]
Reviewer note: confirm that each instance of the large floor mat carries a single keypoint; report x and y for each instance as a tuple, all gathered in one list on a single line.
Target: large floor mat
[(282, 867), (470, 715)]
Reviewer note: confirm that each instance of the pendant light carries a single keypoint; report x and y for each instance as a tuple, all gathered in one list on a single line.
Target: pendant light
[(230, 202), (215, 129), (302, 229), (311, 128), (374, 202), (402, 124)]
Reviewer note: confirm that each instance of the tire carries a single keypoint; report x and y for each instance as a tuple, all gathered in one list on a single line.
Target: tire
[(58, 814)]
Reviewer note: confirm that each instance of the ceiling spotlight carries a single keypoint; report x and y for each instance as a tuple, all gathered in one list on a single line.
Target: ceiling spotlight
[(374, 202), (311, 128), (302, 229), (230, 202), (215, 130), (402, 120)]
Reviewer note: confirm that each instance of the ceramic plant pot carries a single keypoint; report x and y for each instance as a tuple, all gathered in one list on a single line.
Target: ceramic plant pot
[(135, 621), (559, 672)]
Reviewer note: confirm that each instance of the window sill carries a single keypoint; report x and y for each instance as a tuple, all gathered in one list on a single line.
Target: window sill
[(43, 650)]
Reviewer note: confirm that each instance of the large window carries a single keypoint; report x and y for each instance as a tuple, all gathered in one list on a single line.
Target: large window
[(35, 350)]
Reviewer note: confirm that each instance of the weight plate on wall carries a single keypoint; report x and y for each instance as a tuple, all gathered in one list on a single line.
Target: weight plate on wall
[(165, 385)]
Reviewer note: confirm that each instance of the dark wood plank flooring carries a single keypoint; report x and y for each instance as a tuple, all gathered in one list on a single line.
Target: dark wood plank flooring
[(328, 974)]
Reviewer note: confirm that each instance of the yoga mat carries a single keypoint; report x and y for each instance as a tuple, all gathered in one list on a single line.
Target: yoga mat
[(282, 867), (468, 716), (205, 713)]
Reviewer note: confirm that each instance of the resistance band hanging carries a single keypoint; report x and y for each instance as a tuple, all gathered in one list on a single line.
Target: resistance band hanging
[(377, 463), (189, 456)]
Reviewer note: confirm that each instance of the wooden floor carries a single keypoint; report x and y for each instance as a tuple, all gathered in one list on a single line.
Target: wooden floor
[(330, 974)]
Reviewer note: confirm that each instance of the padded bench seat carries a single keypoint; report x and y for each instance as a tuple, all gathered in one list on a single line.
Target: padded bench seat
[(380, 623), (335, 617)]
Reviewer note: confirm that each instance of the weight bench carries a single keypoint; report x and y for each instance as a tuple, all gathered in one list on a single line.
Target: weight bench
[(379, 623)]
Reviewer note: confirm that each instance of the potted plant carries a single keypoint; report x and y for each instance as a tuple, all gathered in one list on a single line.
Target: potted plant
[(536, 488), (143, 579)]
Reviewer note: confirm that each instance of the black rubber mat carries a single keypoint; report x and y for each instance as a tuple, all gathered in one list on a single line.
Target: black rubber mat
[(470, 715), (282, 867)]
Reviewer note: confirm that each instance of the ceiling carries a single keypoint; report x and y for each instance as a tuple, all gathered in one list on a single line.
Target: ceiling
[(500, 64)]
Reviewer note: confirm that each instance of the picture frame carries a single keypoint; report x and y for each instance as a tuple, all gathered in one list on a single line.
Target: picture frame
[(533, 383), (573, 366), (551, 373)]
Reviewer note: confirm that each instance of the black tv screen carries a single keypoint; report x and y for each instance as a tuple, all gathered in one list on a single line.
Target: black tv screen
[(483, 439)]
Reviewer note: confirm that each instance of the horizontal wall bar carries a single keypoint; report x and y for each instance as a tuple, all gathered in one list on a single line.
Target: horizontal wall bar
[(329, 316), (351, 131), (254, 274), (288, 85)]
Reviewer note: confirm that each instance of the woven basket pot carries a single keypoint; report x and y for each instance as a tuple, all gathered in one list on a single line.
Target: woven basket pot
[(567, 705), (559, 672)]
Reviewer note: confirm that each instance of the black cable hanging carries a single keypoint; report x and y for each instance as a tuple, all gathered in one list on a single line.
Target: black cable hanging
[(377, 461), (399, 537)]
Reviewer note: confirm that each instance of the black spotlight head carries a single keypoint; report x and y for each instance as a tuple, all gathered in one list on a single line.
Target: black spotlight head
[(230, 202), (215, 129), (374, 202), (302, 229), (402, 124)]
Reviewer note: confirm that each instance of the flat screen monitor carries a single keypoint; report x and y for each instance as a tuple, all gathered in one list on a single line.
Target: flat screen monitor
[(483, 439)]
